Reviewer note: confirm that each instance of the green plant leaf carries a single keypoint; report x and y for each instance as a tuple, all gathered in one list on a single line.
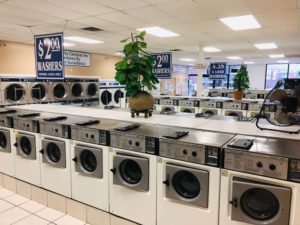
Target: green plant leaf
[(124, 40)]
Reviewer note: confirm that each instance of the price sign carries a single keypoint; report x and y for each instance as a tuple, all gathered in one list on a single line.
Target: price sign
[(217, 71), (49, 58), (162, 66)]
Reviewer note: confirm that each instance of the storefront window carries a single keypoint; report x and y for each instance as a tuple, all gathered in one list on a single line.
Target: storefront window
[(294, 71), (274, 73), (233, 70)]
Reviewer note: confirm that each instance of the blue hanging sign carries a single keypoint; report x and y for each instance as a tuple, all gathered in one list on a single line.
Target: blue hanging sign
[(217, 71), (49, 56), (163, 65)]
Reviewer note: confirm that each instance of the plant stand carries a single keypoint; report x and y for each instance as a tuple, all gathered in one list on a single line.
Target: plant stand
[(147, 113)]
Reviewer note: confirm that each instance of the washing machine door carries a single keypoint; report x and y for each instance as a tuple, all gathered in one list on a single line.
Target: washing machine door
[(38, 92), (26, 146), (210, 112), (54, 153), (118, 94), (234, 113), (187, 185), (88, 161), (260, 203), (76, 90), (14, 92), (5, 145), (131, 172), (188, 110), (92, 90), (105, 97), (59, 91)]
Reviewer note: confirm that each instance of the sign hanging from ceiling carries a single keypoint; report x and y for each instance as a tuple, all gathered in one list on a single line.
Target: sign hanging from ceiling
[(80, 59), (163, 65), (217, 71), (49, 58)]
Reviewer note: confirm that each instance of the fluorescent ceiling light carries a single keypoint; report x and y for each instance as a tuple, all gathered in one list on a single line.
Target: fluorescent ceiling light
[(249, 62), (241, 22), (158, 31), (277, 56), (234, 57), (211, 49), (283, 61), (266, 46), (187, 60), (83, 40), (67, 44)]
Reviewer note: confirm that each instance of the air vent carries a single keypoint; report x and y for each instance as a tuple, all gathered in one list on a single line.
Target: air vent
[(91, 29), (207, 58), (175, 50)]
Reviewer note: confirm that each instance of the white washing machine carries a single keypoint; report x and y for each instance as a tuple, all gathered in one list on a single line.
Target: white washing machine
[(210, 107), (105, 96), (27, 147), (39, 91), (188, 178), (7, 139), (119, 97), (235, 108), (168, 105), (133, 172), (189, 106), (14, 90), (56, 162), (89, 154), (260, 182), (255, 107)]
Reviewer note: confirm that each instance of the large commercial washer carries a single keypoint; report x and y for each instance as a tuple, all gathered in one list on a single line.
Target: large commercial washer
[(133, 172), (76, 89), (39, 91), (59, 91), (188, 177), (260, 182), (14, 90), (89, 154)]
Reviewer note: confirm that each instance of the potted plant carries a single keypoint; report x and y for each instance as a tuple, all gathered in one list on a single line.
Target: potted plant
[(135, 71), (241, 83)]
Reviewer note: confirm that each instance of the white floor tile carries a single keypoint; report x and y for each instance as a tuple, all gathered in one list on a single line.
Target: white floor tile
[(16, 199), (49, 214), (32, 220), (5, 206), (32, 206), (68, 220), (13, 215), (4, 193)]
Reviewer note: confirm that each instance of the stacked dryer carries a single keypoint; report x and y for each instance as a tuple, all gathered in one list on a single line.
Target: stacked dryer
[(188, 177), (112, 94)]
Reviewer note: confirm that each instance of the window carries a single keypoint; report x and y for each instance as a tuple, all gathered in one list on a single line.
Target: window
[(233, 70), (294, 71), (274, 73)]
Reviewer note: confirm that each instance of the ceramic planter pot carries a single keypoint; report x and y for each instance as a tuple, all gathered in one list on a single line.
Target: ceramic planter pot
[(238, 95), (143, 101)]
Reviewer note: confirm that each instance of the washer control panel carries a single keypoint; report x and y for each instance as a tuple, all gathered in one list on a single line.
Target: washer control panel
[(94, 136), (56, 130), (249, 162), (166, 101), (208, 104), (127, 141), (294, 170), (6, 121), (26, 125)]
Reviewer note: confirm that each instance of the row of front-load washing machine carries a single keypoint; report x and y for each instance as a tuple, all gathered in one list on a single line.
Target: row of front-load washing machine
[(215, 107), (28, 90), (153, 174)]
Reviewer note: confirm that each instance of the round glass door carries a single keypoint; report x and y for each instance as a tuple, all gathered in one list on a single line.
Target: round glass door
[(210, 113), (53, 152), (106, 97), (3, 141), (186, 184), (118, 94), (25, 145), (15, 92), (187, 111), (234, 114), (259, 204), (130, 171), (76, 90), (92, 89), (59, 91), (88, 161), (38, 92)]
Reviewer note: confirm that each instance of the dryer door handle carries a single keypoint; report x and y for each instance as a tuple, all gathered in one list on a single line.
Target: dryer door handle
[(16, 144), (75, 159), (42, 151), (113, 170), (166, 182), (234, 202)]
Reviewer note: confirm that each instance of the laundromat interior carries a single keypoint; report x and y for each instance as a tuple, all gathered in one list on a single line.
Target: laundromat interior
[(149, 112)]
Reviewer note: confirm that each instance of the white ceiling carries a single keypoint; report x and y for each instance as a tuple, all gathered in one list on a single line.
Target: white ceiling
[(197, 22)]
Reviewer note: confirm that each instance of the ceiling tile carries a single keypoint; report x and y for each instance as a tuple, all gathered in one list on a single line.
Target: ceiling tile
[(122, 4), (258, 6)]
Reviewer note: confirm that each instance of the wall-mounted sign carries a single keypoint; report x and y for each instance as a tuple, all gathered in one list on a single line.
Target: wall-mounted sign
[(80, 59), (217, 71), (49, 58), (163, 64)]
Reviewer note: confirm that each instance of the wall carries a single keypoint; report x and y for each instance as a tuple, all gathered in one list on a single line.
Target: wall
[(257, 75), (17, 58)]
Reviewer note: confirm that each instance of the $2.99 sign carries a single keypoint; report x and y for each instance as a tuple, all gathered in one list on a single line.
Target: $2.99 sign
[(49, 56), (162, 64)]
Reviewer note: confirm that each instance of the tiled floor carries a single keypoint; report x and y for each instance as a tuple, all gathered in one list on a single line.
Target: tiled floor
[(17, 210)]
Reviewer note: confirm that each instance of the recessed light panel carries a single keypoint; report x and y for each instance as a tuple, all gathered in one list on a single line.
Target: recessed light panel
[(266, 46), (67, 44), (277, 56), (211, 49), (234, 57), (283, 61), (187, 60), (249, 62), (83, 40), (241, 22), (158, 32)]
